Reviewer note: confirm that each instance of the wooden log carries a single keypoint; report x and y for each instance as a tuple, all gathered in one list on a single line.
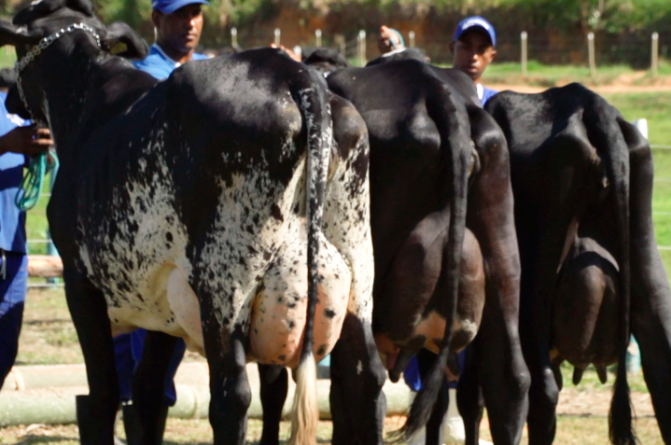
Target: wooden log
[(45, 266), (43, 400)]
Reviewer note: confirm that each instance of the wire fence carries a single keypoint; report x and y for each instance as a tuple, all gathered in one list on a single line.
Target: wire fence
[(634, 49)]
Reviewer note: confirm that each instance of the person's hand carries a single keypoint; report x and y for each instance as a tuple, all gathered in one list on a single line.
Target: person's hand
[(289, 52), (26, 140), (389, 40)]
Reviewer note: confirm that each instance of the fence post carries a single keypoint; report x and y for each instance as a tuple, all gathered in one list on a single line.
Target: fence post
[(318, 38), (592, 55), (411, 38), (234, 37), (524, 37), (340, 43), (655, 55), (277, 36), (362, 47), (642, 126)]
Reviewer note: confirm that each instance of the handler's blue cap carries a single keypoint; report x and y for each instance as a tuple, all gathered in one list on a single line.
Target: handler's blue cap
[(470, 23), (170, 6)]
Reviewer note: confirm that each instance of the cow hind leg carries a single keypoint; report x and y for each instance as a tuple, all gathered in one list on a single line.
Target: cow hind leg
[(469, 397), (651, 295), (230, 393), (274, 386), (149, 386), (543, 396), (96, 412), (434, 427), (357, 375)]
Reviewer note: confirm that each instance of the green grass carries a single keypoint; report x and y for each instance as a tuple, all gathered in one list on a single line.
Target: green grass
[(590, 380), (542, 75), (36, 221), (7, 57), (656, 108), (48, 336)]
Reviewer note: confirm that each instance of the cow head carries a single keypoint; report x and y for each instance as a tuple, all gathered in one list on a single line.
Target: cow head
[(45, 18), (326, 60)]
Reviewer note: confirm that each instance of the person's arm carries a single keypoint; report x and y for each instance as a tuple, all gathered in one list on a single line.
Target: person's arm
[(26, 140), (289, 52)]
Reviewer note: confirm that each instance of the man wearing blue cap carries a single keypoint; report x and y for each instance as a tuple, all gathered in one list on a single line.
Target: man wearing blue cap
[(178, 25), (473, 48)]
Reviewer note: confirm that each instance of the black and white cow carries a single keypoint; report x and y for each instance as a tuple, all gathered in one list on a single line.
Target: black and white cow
[(185, 207), (420, 119)]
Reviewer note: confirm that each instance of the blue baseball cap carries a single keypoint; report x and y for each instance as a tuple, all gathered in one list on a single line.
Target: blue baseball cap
[(474, 22), (170, 6)]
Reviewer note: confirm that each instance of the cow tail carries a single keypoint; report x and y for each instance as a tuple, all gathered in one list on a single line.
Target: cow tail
[(608, 139), (316, 115), (454, 129)]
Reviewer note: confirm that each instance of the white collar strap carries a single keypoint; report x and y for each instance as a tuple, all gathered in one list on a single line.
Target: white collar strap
[(396, 51)]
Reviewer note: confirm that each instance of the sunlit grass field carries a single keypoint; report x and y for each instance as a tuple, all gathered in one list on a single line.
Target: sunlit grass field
[(548, 76), (656, 108)]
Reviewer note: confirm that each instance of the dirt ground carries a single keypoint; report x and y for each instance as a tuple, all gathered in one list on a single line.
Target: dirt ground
[(571, 430), (577, 402)]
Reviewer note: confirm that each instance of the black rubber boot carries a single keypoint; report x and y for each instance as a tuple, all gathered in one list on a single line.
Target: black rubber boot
[(160, 424), (84, 419), (132, 425), (91, 431)]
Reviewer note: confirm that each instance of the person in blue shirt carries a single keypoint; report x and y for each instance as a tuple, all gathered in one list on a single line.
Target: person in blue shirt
[(178, 25), (473, 48), (18, 139)]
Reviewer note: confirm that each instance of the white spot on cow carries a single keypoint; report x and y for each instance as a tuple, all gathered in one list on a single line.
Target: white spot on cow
[(468, 327), (279, 310), (185, 306), (359, 367)]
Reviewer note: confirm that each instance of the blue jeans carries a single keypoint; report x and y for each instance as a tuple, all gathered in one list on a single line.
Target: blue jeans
[(128, 353), (413, 377), (13, 284)]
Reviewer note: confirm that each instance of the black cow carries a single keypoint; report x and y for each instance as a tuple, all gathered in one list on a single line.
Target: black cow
[(591, 272), (404, 54), (326, 60), (433, 151), (185, 207)]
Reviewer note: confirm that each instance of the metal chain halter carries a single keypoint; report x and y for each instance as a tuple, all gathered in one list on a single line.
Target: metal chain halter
[(31, 186), (37, 50)]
